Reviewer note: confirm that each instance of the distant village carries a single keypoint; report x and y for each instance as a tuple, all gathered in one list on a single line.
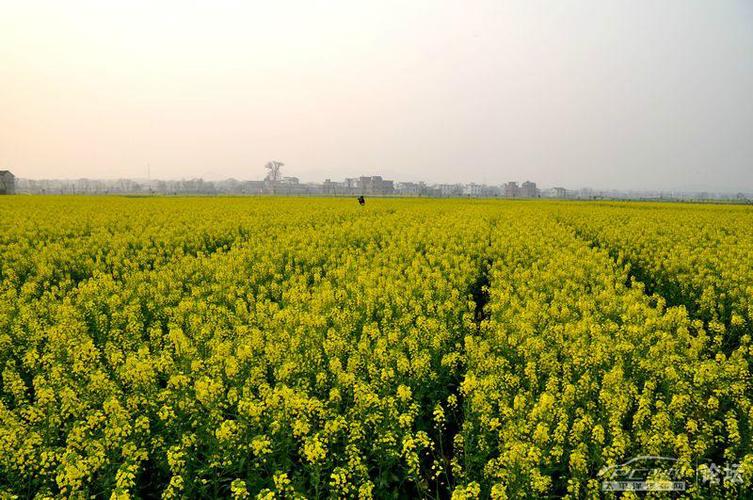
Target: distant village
[(276, 184)]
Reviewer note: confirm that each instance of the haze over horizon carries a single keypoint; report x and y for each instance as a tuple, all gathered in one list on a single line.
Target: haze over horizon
[(621, 94)]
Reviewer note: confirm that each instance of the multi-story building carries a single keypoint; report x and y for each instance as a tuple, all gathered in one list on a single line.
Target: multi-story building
[(350, 185), (560, 192), (375, 185), (474, 190), (529, 190), (408, 188), (328, 187), (511, 190), (7, 182), (451, 189)]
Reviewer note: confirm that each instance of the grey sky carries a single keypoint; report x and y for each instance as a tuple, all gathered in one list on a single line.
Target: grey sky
[(624, 94)]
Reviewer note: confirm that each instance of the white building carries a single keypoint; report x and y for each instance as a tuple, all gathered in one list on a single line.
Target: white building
[(529, 190)]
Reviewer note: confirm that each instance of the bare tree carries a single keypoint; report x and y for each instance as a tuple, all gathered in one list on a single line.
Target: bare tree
[(273, 170), (273, 173)]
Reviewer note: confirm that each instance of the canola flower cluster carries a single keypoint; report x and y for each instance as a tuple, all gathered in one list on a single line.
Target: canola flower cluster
[(698, 257), (577, 368), (308, 348)]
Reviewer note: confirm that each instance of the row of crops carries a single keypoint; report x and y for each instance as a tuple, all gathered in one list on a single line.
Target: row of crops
[(272, 347)]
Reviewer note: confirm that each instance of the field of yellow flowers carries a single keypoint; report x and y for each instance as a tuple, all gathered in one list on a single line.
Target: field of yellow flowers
[(293, 347)]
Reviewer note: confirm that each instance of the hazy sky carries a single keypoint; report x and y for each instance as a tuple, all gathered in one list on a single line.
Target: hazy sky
[(627, 94)]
